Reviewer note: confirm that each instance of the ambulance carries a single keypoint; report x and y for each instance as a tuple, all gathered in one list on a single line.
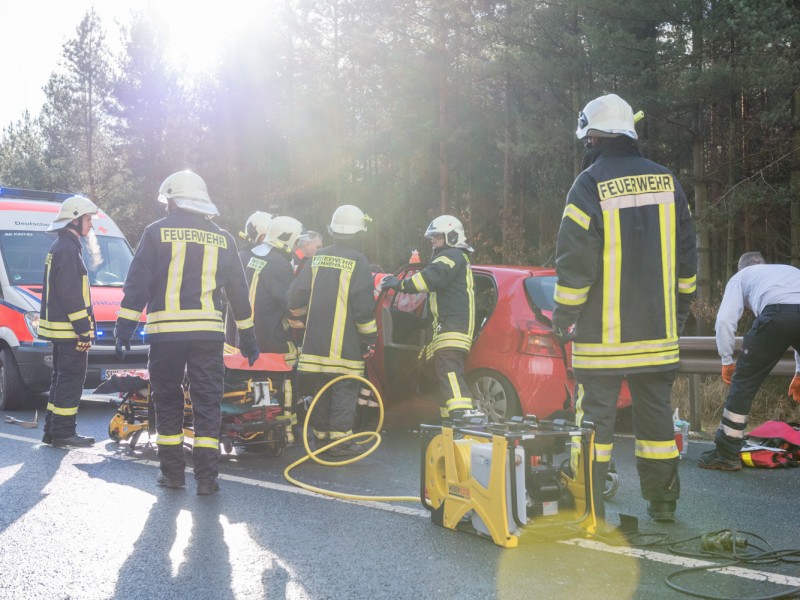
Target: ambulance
[(26, 362)]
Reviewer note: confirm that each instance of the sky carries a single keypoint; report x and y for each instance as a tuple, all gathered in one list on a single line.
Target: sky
[(34, 32)]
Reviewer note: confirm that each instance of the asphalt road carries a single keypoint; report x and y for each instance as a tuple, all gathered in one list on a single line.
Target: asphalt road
[(92, 524)]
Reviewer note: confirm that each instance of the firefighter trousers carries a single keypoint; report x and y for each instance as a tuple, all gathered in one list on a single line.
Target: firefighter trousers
[(772, 333), (334, 413), (66, 388), (656, 450), (448, 366), (201, 364)]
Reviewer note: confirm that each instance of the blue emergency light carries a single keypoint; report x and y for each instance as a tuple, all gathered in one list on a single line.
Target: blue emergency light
[(7, 192)]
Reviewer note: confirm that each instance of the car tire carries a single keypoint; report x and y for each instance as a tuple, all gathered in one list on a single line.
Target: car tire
[(493, 394), (13, 392)]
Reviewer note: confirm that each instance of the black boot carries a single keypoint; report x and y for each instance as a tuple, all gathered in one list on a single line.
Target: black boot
[(47, 438), (206, 487), (170, 482), (74, 441)]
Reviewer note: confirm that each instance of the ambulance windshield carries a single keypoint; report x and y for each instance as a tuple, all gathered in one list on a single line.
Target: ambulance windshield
[(107, 258)]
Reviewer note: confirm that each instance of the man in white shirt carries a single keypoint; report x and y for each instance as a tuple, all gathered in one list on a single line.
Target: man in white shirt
[(772, 292)]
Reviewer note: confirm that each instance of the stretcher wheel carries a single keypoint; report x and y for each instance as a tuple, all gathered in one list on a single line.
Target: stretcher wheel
[(227, 445), (276, 449)]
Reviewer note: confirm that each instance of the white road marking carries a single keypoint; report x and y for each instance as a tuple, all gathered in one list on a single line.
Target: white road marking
[(684, 562), (419, 512)]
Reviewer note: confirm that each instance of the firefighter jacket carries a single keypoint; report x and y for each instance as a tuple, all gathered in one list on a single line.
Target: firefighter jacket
[(181, 266), (626, 262), (448, 280), (334, 293), (269, 277), (66, 310)]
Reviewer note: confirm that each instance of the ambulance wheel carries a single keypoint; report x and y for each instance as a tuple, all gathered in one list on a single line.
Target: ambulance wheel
[(13, 392), (493, 394)]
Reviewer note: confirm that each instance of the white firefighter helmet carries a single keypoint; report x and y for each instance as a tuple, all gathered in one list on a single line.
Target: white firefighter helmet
[(606, 116), (72, 208), (348, 220), (451, 228), (283, 233), (189, 192), (257, 225)]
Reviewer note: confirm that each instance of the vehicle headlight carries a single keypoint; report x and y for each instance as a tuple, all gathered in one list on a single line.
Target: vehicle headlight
[(32, 321)]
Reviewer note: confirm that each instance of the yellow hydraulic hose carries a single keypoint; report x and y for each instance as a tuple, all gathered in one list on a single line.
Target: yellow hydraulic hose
[(373, 436)]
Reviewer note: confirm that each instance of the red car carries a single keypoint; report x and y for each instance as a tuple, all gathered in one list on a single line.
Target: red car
[(516, 365)]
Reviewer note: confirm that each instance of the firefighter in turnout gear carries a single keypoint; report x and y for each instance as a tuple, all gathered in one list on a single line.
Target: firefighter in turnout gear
[(626, 266), (181, 266), (334, 293), (269, 274), (255, 230), (448, 280), (66, 319)]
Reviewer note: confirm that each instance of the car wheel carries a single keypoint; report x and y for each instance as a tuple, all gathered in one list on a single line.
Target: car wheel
[(494, 395), (13, 393)]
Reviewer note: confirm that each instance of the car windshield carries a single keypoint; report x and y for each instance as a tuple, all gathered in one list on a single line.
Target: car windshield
[(107, 258), (540, 291)]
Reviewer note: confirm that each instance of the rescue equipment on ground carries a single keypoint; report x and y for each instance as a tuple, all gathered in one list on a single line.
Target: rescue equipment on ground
[(771, 445), (252, 409), (502, 479)]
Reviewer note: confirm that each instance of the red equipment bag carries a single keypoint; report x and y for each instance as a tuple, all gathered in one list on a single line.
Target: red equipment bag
[(773, 444)]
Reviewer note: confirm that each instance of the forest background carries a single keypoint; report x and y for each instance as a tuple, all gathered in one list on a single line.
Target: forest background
[(414, 108)]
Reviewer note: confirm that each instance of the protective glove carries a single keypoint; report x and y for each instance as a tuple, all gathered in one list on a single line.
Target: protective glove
[(122, 348), (248, 345), (794, 388), (564, 334), (84, 343), (727, 372), (367, 351), (390, 282), (122, 334)]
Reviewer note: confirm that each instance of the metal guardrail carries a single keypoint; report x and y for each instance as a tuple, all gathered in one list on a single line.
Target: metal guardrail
[(699, 356)]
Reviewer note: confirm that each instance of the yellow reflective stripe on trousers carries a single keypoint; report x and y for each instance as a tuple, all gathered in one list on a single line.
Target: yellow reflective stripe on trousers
[(206, 442), (62, 412), (337, 435), (169, 440), (612, 277), (340, 314), (172, 294), (602, 452), (666, 214), (656, 450)]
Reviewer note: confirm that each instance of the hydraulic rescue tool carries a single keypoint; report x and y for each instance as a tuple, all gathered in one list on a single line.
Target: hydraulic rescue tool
[(501, 479)]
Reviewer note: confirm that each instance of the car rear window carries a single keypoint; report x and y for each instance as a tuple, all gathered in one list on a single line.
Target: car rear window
[(540, 291)]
